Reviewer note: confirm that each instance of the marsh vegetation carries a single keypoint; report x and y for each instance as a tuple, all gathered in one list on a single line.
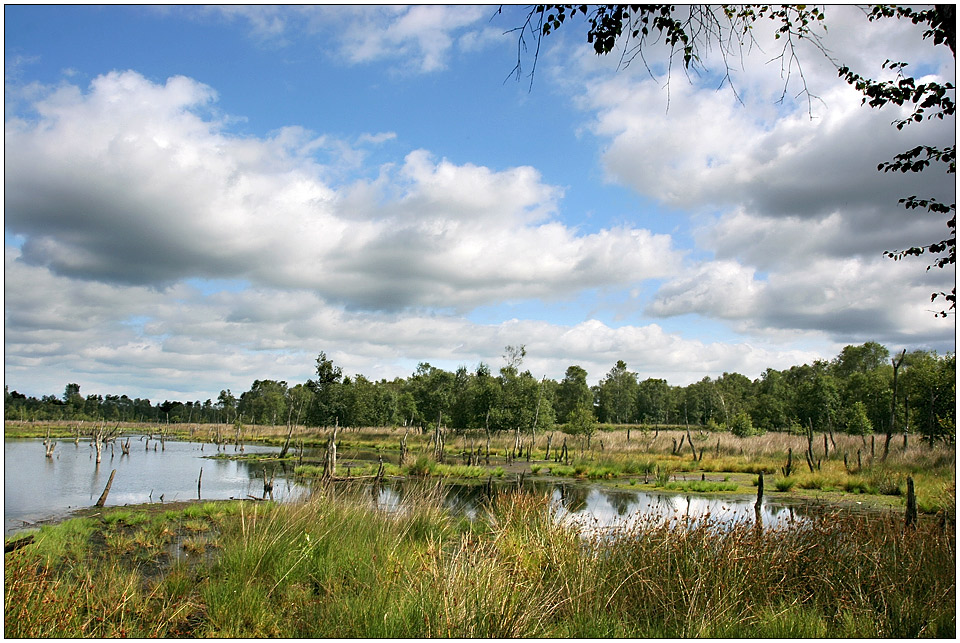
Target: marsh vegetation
[(333, 566), (876, 558)]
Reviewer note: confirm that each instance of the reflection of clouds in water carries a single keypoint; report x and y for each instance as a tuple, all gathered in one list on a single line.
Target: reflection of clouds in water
[(615, 508), (459, 500)]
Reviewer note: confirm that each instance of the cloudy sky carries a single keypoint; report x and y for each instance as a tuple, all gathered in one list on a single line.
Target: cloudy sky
[(199, 197)]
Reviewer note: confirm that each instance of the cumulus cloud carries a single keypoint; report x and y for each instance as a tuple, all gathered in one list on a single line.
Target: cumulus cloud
[(710, 152), (188, 345), (140, 183), (848, 299), (783, 197)]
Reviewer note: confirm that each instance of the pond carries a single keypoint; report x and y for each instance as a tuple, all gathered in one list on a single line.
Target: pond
[(592, 505), (37, 488)]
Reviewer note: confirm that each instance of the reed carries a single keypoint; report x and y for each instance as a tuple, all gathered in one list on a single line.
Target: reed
[(335, 566)]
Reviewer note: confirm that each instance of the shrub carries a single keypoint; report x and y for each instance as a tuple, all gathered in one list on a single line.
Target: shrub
[(784, 484), (855, 419), (742, 426)]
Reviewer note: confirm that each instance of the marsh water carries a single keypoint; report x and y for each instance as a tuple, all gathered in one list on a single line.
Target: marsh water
[(38, 488)]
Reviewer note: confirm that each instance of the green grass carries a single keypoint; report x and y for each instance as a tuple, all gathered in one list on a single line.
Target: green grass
[(784, 484), (334, 567)]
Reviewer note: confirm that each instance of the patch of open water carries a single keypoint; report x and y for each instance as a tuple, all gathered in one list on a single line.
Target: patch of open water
[(37, 488)]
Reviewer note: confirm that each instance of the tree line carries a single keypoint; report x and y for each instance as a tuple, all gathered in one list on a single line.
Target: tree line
[(852, 393)]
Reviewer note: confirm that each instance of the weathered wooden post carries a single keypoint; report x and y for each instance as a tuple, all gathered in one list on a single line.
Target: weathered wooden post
[(690, 441), (906, 419), (897, 361), (106, 490), (286, 443), (330, 459), (759, 503), (268, 484), (438, 440), (199, 480), (789, 468), (911, 515)]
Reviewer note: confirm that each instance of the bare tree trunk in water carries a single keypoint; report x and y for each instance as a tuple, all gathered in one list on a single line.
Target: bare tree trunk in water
[(106, 490)]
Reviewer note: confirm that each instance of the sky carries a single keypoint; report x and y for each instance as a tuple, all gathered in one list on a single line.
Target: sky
[(199, 197)]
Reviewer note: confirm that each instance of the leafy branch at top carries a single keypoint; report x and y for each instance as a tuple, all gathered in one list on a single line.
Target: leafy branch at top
[(730, 28)]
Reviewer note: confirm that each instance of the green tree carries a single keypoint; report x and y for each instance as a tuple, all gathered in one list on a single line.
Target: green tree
[(227, 405), (485, 395), (406, 407), (73, 400), (859, 359), (701, 403), (855, 421), (873, 390), (299, 399), (328, 387), (265, 403), (742, 426), (618, 394), (432, 389), (817, 397), (653, 401), (770, 410), (572, 392), (736, 393), (461, 412), (358, 398), (581, 422), (929, 384)]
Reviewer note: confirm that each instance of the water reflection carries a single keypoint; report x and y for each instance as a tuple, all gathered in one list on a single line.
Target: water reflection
[(40, 488), (589, 506), (604, 507)]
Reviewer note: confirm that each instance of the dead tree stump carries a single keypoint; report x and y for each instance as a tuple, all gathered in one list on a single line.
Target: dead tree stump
[(106, 490), (759, 503), (911, 515)]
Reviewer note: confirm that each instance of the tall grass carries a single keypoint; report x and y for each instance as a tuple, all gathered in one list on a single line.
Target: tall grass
[(334, 566)]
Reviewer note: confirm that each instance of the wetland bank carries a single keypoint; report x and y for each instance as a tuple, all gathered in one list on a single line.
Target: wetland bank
[(342, 562), (819, 501)]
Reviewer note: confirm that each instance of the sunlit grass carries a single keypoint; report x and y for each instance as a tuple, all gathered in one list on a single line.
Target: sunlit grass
[(335, 567)]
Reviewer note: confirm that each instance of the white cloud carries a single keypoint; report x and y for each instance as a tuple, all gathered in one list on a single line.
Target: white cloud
[(187, 345), (131, 183), (420, 39), (788, 209)]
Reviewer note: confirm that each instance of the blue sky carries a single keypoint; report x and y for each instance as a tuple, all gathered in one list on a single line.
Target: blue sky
[(199, 197)]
